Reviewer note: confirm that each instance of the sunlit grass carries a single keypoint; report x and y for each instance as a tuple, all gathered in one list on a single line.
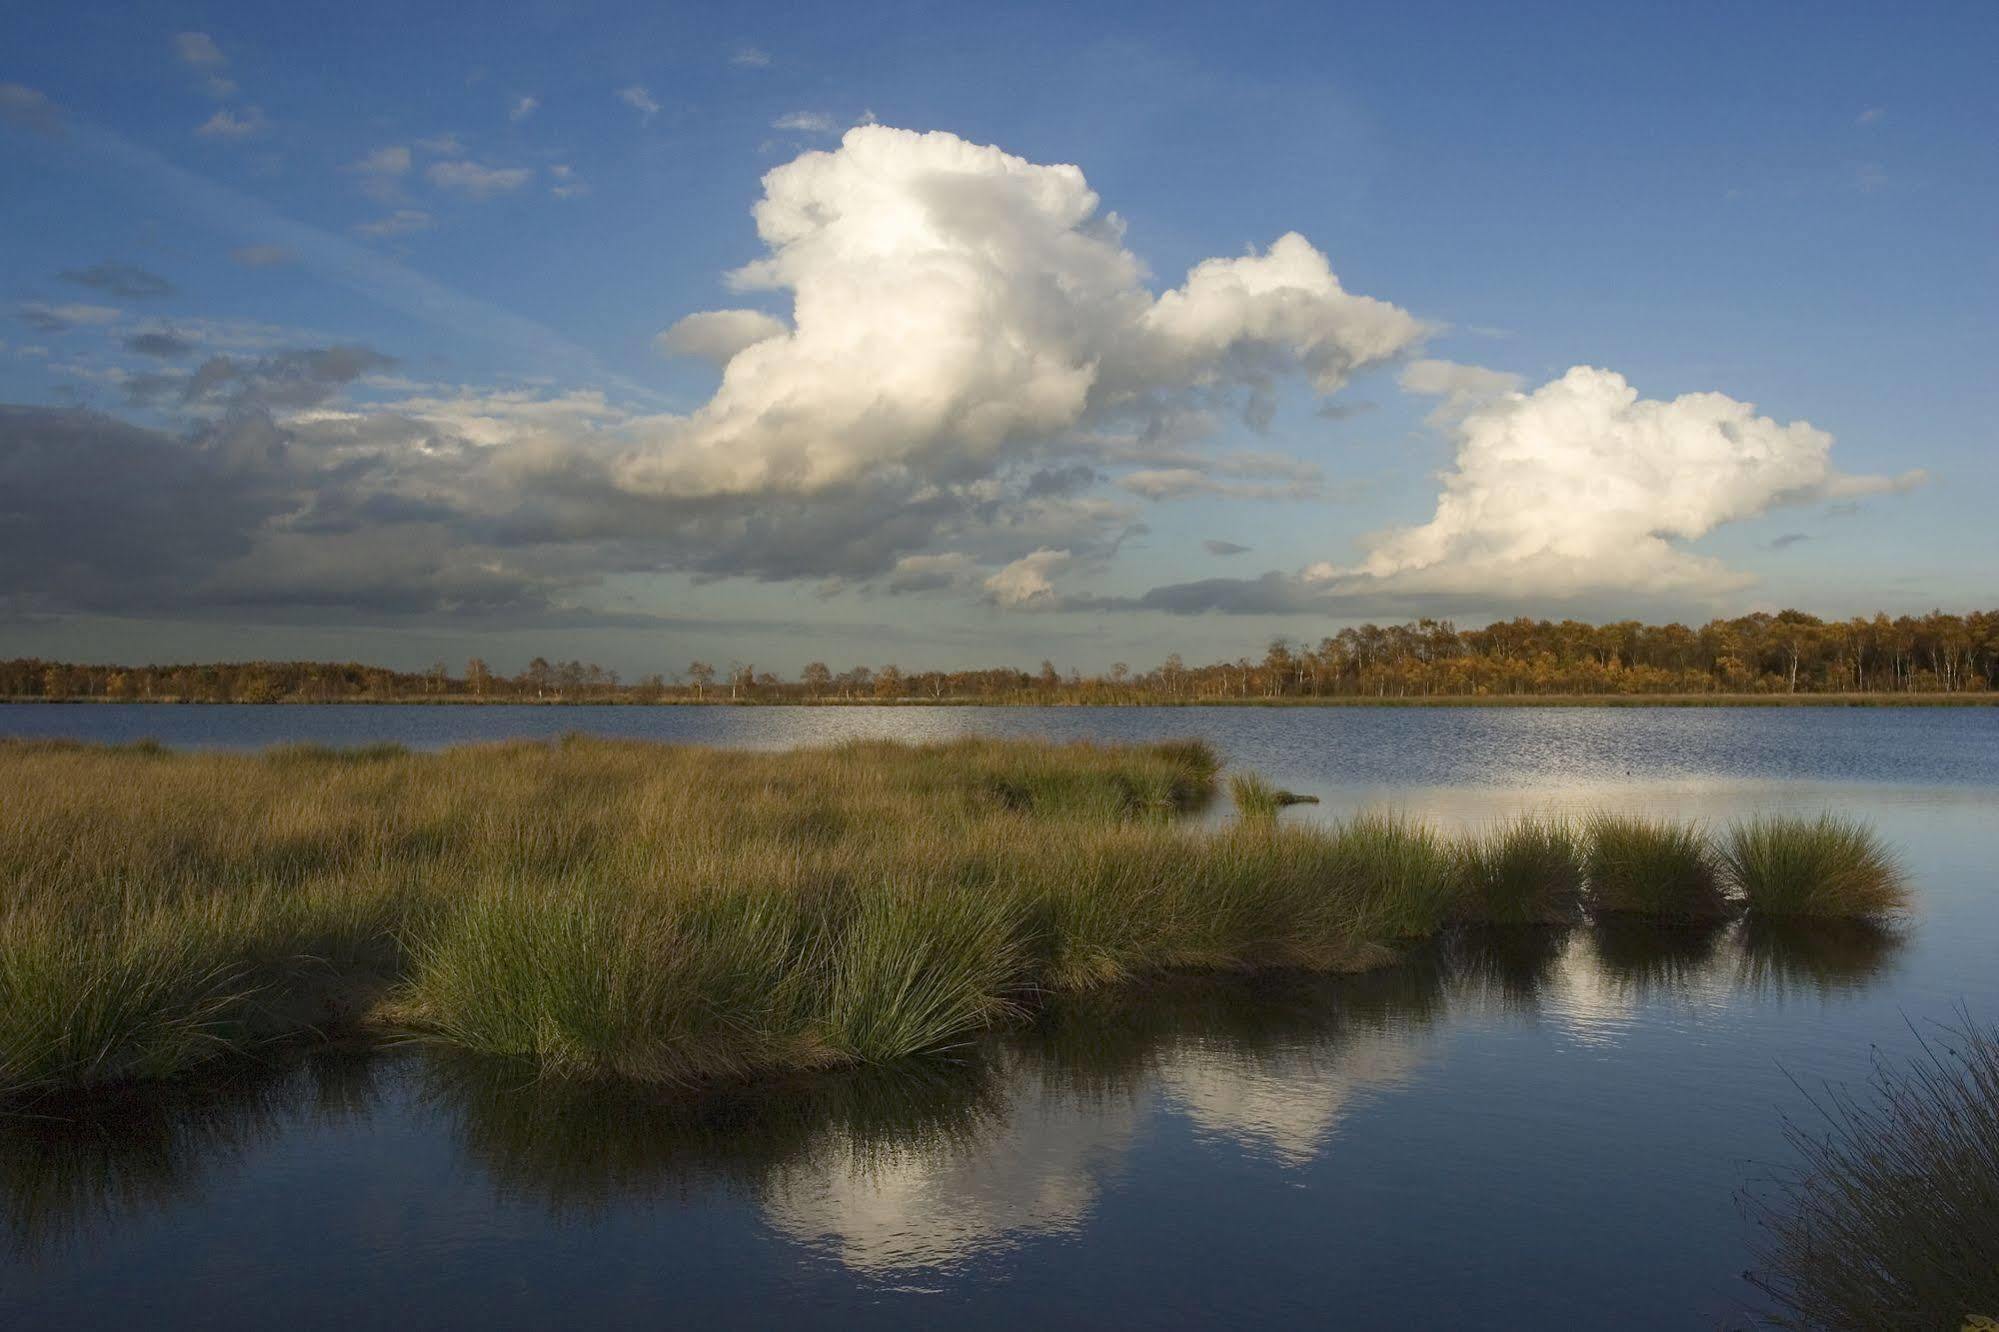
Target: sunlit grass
[(1827, 866), (605, 909)]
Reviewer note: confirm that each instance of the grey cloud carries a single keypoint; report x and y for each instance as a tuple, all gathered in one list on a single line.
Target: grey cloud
[(262, 256), (116, 279), (1224, 549), (289, 379), (46, 318), (163, 343), (1789, 539)]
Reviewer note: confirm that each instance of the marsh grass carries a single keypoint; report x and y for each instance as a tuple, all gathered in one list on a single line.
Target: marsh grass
[(1254, 798), (1525, 872), (1651, 867), (621, 910), (1892, 1219), (1826, 866)]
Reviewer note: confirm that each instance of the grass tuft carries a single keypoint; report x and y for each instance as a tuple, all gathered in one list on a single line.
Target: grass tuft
[(1651, 867), (1827, 866), (1527, 872)]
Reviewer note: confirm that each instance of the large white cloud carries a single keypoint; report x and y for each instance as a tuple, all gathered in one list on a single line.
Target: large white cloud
[(1582, 485), (955, 306)]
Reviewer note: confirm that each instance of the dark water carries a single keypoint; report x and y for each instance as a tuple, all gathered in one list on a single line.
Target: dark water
[(1537, 1130)]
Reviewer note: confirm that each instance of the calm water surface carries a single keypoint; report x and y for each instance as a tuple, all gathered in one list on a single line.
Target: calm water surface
[(1541, 1130)]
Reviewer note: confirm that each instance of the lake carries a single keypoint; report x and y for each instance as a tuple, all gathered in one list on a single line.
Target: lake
[(1544, 1128)]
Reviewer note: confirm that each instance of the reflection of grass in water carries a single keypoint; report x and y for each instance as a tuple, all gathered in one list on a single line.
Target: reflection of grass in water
[(1644, 956), (588, 1145), (1892, 1220), (1776, 956), (126, 1151), (1099, 1046), (1508, 964)]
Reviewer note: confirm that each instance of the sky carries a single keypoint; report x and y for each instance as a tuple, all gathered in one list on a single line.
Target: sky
[(945, 336)]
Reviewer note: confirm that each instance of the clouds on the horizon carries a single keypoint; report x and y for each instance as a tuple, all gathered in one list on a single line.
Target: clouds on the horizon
[(975, 392), (1579, 492)]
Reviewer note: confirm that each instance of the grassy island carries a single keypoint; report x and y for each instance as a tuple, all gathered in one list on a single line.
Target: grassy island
[(675, 914)]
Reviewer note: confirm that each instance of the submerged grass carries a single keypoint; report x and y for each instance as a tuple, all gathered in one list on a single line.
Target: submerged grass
[(1893, 1218), (1825, 866), (597, 908)]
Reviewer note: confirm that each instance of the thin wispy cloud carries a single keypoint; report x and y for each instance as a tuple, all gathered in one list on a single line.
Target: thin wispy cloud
[(640, 100), (399, 223), (262, 256), (29, 109), (805, 122), (198, 51), (522, 108), (248, 123), (127, 281), (382, 170), (750, 57), (47, 318), (477, 181)]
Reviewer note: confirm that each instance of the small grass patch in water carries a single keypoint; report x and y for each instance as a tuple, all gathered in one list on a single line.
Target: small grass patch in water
[(1651, 867), (1825, 866)]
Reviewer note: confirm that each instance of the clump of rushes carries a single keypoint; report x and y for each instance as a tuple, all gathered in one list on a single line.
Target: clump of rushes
[(1827, 866), (1651, 867), (1527, 872), (1254, 797), (139, 999), (1889, 1220), (1398, 874)]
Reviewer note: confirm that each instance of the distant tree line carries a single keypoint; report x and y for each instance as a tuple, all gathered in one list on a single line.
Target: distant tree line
[(1786, 653)]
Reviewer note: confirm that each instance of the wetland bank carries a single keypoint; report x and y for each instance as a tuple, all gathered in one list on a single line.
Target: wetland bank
[(1102, 1079)]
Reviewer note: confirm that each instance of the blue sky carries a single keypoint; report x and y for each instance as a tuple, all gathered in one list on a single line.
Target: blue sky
[(340, 334)]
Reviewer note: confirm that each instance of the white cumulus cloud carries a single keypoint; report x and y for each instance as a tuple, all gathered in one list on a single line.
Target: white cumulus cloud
[(954, 306), (1026, 581), (1582, 485)]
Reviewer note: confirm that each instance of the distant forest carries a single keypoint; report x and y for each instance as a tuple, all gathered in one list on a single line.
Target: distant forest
[(1786, 653)]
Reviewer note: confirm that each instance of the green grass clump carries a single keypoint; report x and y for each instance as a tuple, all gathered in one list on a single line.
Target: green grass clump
[(1527, 872), (1400, 875), (137, 1000), (1827, 866), (1254, 798), (1651, 867), (1889, 1221)]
